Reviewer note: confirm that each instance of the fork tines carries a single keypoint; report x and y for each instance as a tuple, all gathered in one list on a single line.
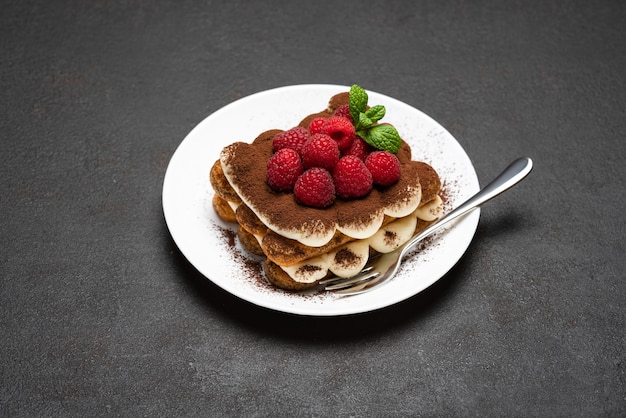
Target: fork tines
[(337, 283)]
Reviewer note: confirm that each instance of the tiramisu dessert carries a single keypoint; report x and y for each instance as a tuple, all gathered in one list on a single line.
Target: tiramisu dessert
[(320, 198)]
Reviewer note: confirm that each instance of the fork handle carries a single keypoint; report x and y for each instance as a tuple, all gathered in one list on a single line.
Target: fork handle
[(512, 175)]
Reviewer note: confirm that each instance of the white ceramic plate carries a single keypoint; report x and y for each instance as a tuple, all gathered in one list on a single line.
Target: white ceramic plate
[(208, 243)]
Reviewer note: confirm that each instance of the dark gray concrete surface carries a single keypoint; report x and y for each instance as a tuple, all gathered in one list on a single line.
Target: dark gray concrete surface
[(101, 315)]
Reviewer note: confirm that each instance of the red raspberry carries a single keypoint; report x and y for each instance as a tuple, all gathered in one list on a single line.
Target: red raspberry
[(352, 178), (358, 148), (341, 130), (283, 169), (316, 126), (384, 166), (294, 138), (315, 188), (343, 111), (320, 151)]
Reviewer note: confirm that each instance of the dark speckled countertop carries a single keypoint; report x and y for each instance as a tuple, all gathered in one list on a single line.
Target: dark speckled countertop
[(102, 315)]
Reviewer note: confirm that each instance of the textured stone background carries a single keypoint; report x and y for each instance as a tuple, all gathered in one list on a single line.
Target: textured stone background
[(101, 314)]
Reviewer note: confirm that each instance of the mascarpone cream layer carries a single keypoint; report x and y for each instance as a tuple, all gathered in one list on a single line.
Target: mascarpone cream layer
[(349, 259)]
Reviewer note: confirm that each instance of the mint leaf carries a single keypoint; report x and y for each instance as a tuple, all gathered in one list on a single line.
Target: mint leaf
[(384, 137), (358, 101), (364, 121), (375, 113)]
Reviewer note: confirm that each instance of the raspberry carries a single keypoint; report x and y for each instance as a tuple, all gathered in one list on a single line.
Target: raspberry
[(320, 151), (315, 188), (358, 148), (316, 126), (352, 178), (340, 129), (344, 112), (294, 138), (283, 169), (384, 166)]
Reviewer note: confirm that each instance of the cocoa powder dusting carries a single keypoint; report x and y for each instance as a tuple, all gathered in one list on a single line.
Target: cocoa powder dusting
[(391, 238), (446, 194), (308, 269), (252, 269), (346, 258), (230, 236)]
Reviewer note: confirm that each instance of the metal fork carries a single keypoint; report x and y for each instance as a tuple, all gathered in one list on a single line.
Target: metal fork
[(382, 268)]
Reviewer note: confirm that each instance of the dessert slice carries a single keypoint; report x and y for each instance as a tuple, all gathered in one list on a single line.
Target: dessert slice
[(319, 199)]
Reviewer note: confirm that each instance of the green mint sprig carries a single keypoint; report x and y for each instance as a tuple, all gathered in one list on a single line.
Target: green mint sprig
[(382, 136)]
